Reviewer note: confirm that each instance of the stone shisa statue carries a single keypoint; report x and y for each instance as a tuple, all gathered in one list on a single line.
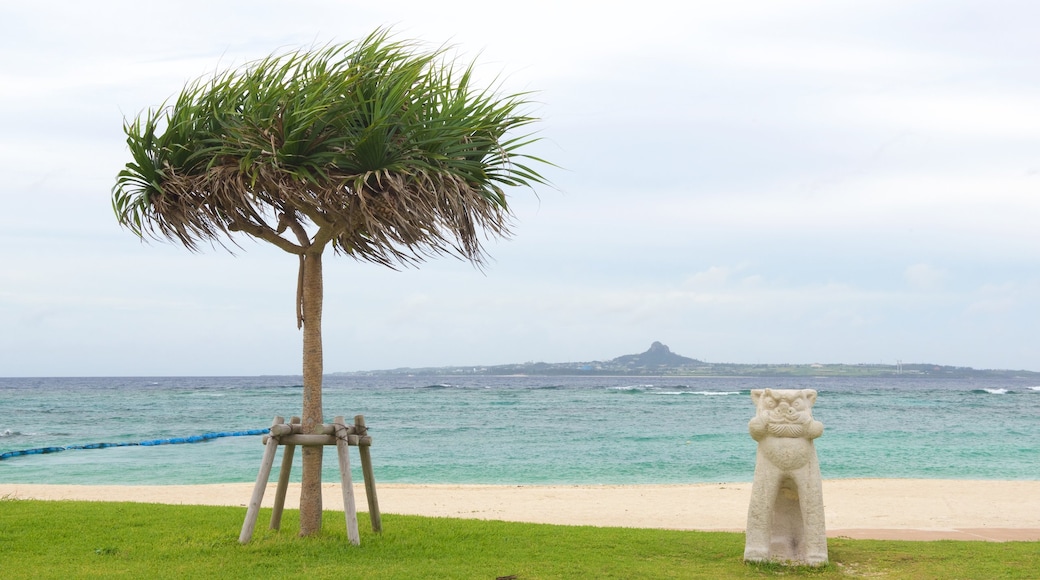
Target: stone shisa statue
[(785, 518)]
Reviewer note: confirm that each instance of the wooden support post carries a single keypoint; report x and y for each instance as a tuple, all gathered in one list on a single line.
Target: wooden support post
[(349, 508), (283, 481), (339, 434), (366, 470), (261, 484)]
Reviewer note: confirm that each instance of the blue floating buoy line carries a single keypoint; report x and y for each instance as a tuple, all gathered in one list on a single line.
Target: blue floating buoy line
[(170, 441)]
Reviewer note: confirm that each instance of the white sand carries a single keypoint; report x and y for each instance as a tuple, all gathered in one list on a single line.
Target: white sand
[(856, 508)]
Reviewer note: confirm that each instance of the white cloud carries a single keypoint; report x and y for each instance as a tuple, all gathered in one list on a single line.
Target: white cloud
[(965, 113), (995, 299), (924, 277)]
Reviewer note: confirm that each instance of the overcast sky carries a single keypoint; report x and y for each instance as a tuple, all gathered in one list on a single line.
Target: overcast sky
[(753, 182)]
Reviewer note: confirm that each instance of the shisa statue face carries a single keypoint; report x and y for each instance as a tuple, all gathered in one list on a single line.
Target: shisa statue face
[(785, 413)]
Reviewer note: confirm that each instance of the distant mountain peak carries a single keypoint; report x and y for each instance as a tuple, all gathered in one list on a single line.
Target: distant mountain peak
[(658, 355), (658, 347)]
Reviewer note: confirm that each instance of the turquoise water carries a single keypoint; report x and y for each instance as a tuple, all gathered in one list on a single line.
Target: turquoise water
[(518, 430)]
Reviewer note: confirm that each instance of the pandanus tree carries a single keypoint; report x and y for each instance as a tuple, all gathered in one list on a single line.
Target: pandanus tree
[(380, 149)]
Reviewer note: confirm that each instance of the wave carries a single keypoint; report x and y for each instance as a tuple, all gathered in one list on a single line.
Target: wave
[(680, 390), (442, 387), (701, 393), (9, 433), (992, 391), (1034, 388)]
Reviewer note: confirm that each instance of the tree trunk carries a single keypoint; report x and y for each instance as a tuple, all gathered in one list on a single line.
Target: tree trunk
[(310, 494)]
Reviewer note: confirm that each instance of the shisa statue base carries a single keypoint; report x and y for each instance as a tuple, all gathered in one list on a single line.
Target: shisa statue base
[(785, 518)]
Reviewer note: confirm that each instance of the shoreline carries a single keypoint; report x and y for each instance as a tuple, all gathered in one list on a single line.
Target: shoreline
[(900, 509)]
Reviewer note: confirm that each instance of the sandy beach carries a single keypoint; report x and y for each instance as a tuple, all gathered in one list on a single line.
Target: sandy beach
[(905, 509)]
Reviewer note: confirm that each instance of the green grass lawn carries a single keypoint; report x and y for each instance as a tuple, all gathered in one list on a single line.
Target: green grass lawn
[(64, 539)]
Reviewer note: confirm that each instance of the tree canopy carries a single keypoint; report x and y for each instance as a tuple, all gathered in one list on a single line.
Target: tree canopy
[(377, 147)]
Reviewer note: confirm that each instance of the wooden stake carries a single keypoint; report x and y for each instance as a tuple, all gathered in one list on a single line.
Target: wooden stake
[(283, 482), (261, 484), (349, 508), (367, 473)]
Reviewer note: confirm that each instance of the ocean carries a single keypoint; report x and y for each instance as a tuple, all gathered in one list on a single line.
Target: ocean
[(514, 430)]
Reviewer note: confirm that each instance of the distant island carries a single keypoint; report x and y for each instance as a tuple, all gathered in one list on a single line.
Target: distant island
[(659, 360)]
